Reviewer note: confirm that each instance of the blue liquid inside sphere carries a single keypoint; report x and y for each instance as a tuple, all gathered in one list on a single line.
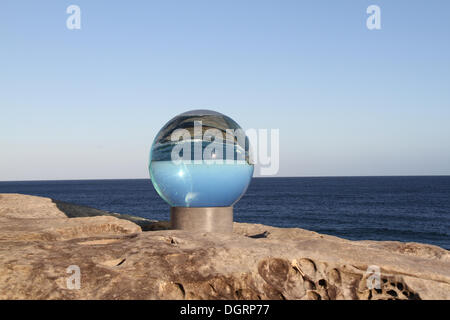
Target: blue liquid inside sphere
[(214, 180), (200, 185)]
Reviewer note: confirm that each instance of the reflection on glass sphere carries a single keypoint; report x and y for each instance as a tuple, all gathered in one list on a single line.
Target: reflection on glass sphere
[(201, 158)]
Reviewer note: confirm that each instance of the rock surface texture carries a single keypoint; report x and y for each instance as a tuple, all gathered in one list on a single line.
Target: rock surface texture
[(40, 238)]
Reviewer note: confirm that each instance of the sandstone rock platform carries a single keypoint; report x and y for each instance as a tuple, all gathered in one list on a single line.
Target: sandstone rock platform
[(40, 238)]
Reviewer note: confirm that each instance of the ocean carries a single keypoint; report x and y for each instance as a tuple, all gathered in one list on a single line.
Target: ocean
[(358, 208)]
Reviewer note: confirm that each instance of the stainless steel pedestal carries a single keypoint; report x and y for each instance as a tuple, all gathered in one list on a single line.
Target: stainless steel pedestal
[(209, 219)]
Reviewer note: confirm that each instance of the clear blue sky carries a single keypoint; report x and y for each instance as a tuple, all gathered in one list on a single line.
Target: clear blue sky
[(87, 103)]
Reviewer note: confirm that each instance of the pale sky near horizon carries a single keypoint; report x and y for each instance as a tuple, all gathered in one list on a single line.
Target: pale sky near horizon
[(86, 104)]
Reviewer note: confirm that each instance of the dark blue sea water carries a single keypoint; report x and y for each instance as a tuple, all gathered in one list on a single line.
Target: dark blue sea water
[(359, 208)]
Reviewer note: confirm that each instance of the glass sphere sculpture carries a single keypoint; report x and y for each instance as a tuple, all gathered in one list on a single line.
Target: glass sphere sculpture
[(201, 158)]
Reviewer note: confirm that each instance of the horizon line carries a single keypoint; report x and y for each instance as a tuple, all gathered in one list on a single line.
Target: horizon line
[(258, 177)]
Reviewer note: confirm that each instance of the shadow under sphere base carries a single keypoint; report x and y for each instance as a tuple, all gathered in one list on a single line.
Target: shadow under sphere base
[(202, 219)]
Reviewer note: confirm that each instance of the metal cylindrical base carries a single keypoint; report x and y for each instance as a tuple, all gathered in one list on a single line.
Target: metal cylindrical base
[(209, 219)]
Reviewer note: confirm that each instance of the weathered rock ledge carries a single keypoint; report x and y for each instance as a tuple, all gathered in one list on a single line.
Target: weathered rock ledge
[(40, 238)]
